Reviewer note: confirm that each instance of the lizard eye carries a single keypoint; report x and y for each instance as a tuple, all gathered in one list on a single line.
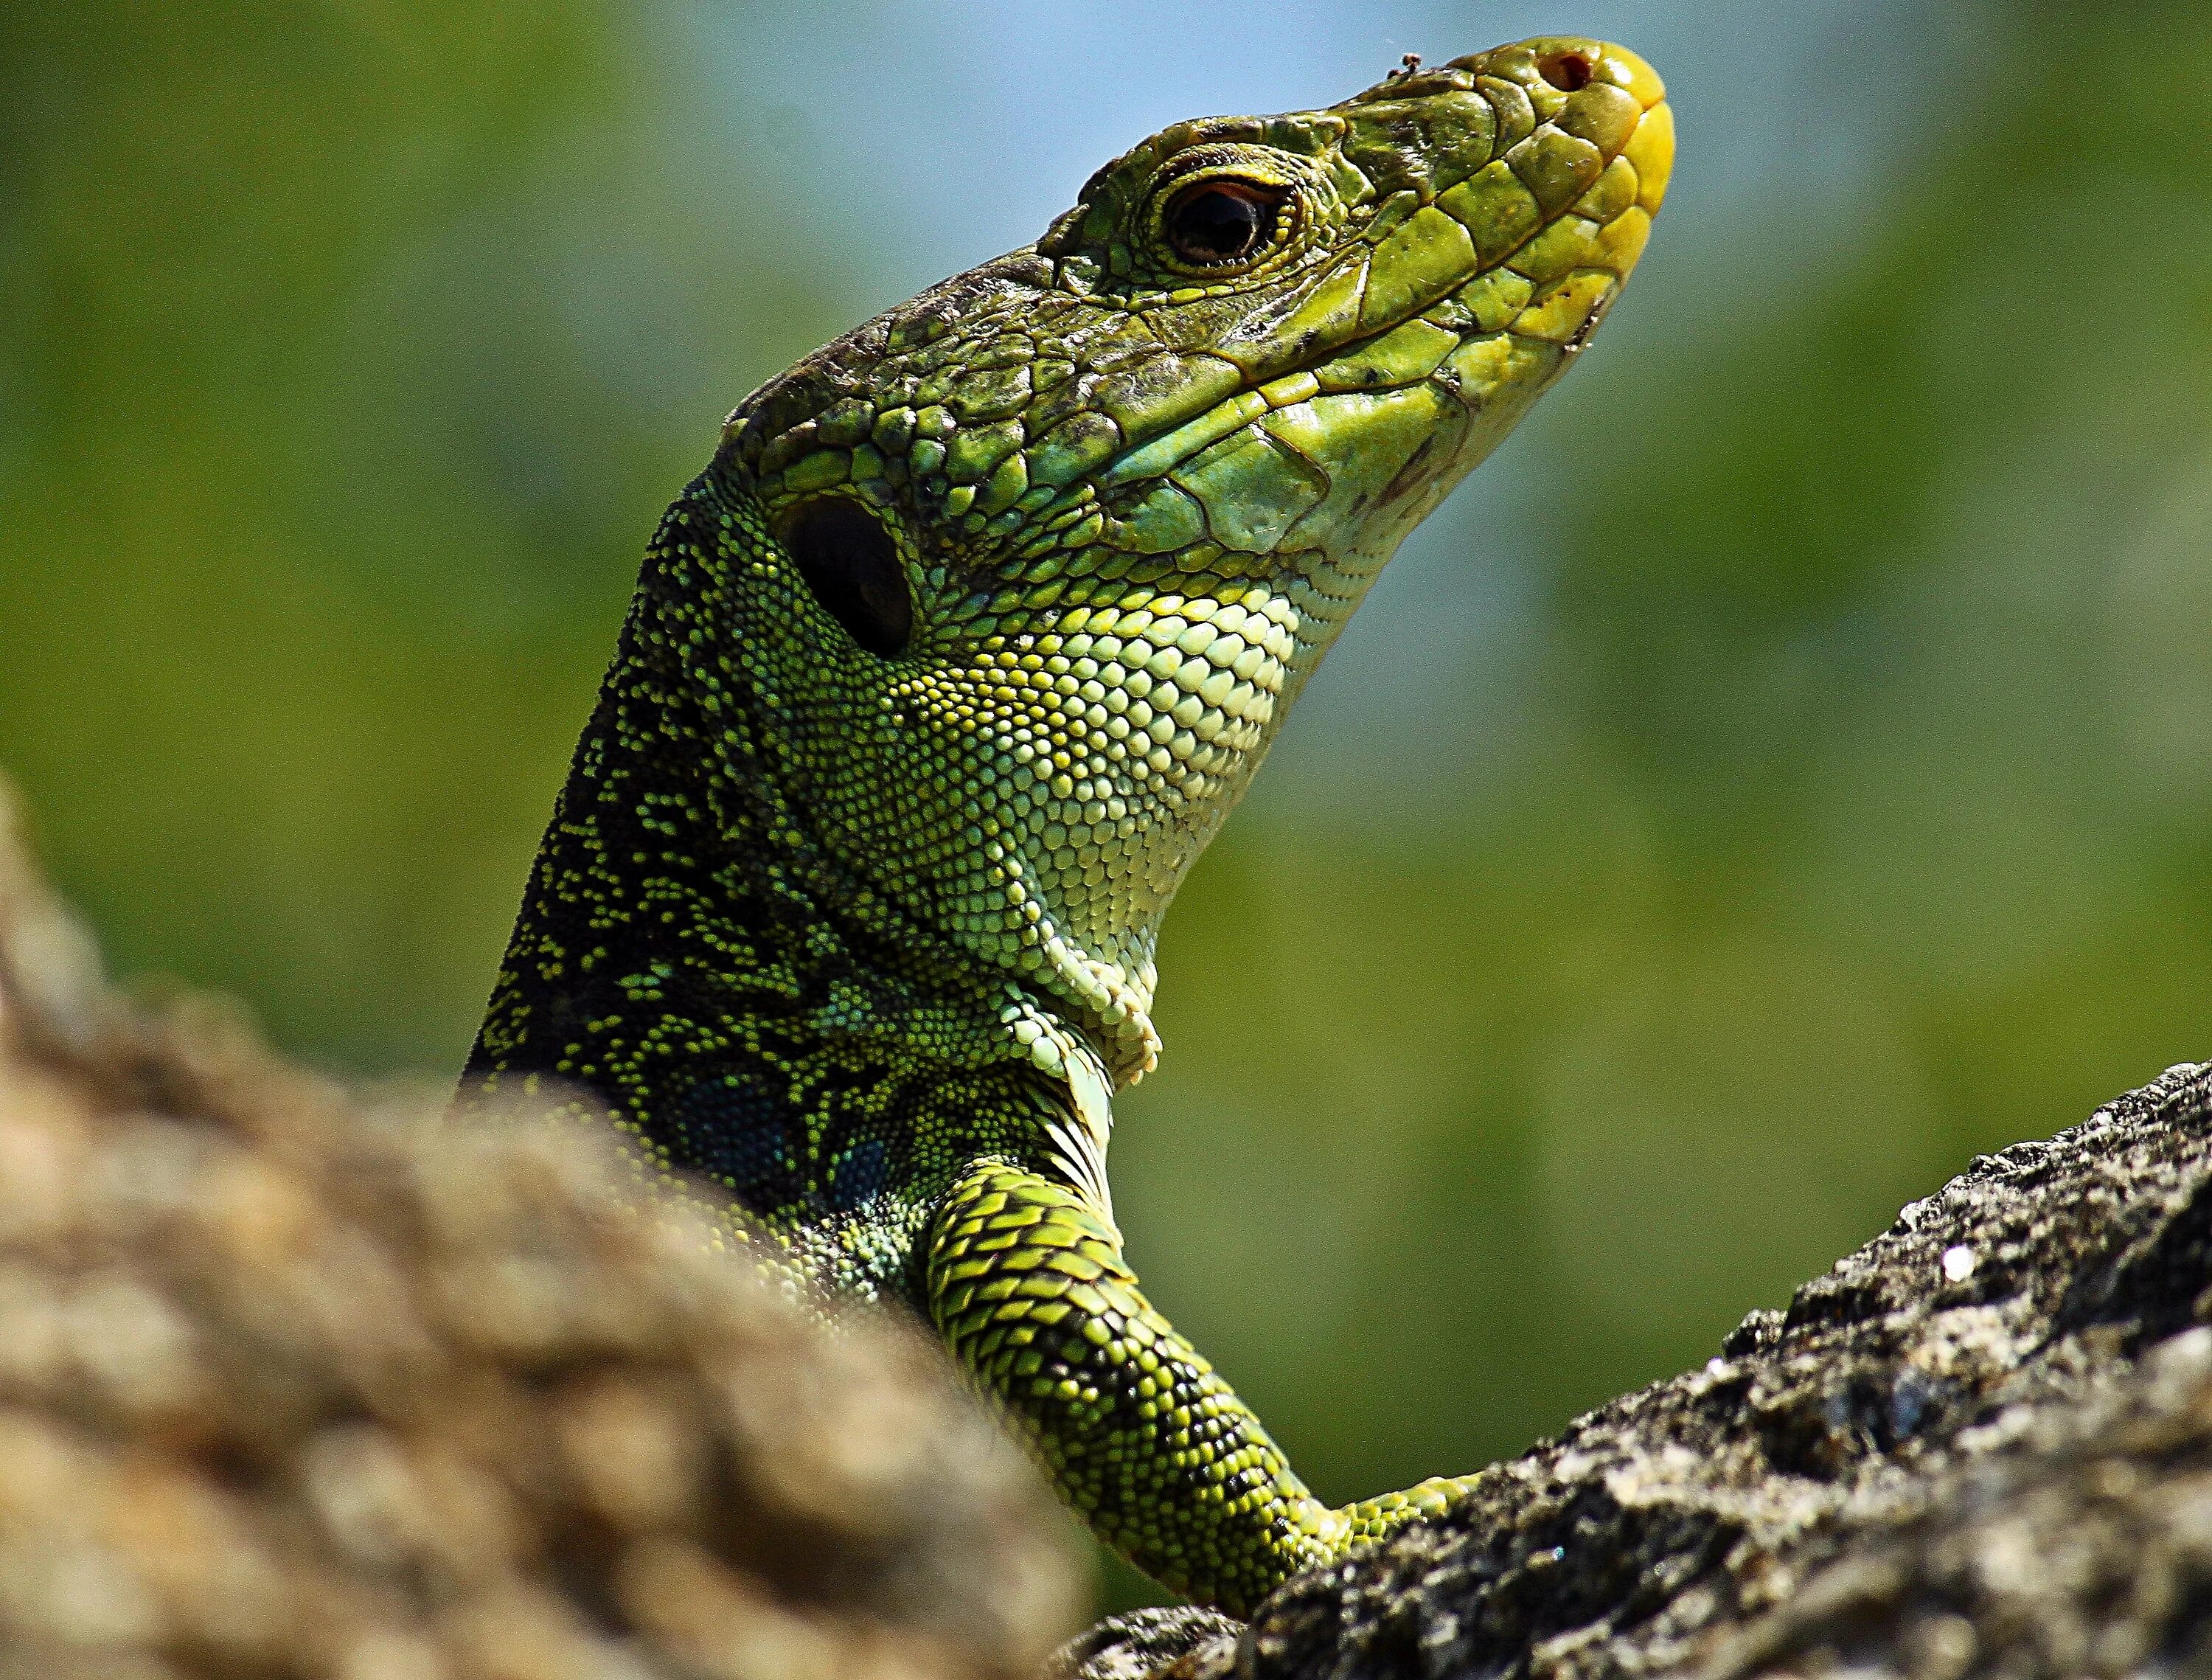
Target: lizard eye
[(851, 567), (1218, 223)]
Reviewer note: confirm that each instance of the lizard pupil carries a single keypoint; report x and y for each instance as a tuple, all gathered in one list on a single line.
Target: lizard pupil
[(851, 567), (1215, 222)]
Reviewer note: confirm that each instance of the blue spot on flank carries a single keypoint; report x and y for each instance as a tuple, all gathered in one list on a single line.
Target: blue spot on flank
[(859, 1175), (727, 1128)]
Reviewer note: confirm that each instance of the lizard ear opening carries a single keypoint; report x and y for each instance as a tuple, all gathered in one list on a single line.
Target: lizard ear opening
[(851, 568)]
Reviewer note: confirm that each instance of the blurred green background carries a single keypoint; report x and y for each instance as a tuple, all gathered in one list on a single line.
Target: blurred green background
[(1783, 771)]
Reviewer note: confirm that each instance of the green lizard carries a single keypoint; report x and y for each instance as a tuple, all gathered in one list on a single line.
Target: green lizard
[(940, 676)]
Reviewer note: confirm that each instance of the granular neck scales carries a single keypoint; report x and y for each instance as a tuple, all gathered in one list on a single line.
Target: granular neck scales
[(942, 674)]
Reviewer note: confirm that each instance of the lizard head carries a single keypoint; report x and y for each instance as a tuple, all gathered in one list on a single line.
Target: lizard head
[(1039, 559)]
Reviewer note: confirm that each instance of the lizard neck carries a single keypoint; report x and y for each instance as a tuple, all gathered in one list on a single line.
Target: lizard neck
[(693, 952)]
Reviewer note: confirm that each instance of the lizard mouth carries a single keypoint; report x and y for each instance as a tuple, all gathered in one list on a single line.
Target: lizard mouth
[(1264, 517), (1145, 509), (1395, 372)]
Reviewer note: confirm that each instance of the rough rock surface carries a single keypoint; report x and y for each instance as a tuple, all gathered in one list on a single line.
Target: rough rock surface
[(1981, 1445), (289, 1388)]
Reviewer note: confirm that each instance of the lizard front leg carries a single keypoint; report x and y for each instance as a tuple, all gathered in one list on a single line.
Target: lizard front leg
[(1028, 1286)]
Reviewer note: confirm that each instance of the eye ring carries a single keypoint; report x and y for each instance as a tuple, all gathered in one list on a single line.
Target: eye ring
[(1223, 224)]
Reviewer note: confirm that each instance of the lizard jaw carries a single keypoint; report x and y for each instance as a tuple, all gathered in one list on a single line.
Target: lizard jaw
[(1133, 509), (1312, 479)]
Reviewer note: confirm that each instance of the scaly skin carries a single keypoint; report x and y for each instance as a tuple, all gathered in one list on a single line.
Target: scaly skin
[(847, 910)]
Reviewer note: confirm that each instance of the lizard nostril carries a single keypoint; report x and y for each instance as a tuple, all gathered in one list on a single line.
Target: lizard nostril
[(1570, 72)]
